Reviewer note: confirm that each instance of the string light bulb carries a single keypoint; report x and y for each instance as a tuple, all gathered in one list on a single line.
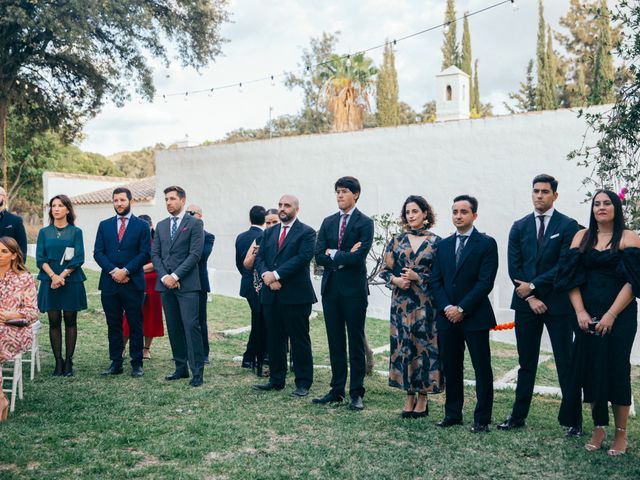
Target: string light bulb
[(273, 81), (240, 88)]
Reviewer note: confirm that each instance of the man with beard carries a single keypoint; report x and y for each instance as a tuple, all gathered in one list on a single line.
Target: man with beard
[(283, 263), (122, 249), (11, 225)]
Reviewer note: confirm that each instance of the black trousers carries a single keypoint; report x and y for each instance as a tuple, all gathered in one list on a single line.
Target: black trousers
[(202, 318), (528, 335), (129, 301), (257, 343), (452, 343), (283, 322), (350, 312), (181, 314)]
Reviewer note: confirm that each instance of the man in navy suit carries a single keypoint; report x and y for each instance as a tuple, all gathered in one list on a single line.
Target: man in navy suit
[(121, 250), (536, 244), (205, 286), (464, 270), (287, 295), (256, 345), (344, 241), (11, 225)]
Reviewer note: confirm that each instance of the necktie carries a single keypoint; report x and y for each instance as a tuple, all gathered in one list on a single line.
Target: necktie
[(462, 240), (343, 227), (174, 227), (283, 234), (541, 229), (123, 221)]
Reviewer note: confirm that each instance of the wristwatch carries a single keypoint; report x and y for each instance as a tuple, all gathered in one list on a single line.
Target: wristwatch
[(532, 286), (460, 309)]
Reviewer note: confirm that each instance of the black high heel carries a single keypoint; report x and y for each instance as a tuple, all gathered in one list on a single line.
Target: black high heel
[(421, 414), (57, 371), (68, 368)]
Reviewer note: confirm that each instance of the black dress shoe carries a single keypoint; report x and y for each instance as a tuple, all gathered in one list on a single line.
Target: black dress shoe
[(574, 432), (510, 423), (328, 398), (415, 414), (268, 386), (449, 422), (356, 404), (112, 370), (58, 370), (479, 428), (67, 371), (246, 363), (176, 376), (196, 381), (300, 392), (137, 372)]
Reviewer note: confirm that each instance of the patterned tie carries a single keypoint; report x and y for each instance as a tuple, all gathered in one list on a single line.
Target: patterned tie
[(343, 227), (121, 229), (174, 227), (283, 234), (462, 240), (541, 229)]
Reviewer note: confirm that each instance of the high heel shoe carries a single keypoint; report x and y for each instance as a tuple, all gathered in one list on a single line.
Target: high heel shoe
[(57, 371), (68, 368), (4, 407), (409, 413), (612, 452), (594, 445), (424, 413)]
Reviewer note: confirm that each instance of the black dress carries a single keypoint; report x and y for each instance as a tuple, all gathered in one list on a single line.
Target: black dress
[(600, 367)]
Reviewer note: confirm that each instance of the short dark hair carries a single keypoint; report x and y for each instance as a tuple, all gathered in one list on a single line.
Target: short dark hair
[(271, 211), (66, 201), (424, 207), (125, 190), (473, 201), (350, 183), (544, 178), (174, 188), (256, 215)]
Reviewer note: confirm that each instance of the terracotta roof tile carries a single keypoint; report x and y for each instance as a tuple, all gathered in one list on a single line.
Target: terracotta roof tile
[(143, 189)]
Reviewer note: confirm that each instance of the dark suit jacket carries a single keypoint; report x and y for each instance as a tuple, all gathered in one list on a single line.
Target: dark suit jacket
[(291, 262), (11, 225), (468, 285), (179, 256), (209, 239), (131, 253), (348, 269), (243, 242), (539, 266)]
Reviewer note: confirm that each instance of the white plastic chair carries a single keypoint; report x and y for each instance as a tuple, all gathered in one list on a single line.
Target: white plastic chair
[(14, 375), (34, 352)]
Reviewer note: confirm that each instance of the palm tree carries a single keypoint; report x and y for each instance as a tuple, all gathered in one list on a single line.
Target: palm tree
[(347, 81)]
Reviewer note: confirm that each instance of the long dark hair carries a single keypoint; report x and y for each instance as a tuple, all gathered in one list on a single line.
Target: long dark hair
[(17, 264), (590, 238), (66, 201)]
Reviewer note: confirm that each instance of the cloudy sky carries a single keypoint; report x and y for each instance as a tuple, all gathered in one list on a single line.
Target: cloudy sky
[(266, 37)]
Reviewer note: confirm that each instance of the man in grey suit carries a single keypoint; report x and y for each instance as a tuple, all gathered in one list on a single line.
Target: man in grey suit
[(176, 250)]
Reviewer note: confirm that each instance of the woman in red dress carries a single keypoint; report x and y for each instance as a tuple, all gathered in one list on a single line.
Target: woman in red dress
[(151, 309)]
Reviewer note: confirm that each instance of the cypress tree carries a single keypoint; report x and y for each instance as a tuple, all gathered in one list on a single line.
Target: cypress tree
[(525, 97), (603, 71), (388, 113), (550, 88), (541, 57), (466, 59), (450, 55), (475, 96)]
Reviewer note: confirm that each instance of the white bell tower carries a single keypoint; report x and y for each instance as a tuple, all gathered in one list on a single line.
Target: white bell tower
[(452, 95)]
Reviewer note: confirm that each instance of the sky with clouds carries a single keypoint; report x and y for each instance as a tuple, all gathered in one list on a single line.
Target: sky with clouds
[(266, 37)]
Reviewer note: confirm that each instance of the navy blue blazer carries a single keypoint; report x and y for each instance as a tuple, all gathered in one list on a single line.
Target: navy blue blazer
[(11, 225), (243, 243), (291, 262), (468, 284), (131, 253), (207, 248), (539, 266), (348, 269)]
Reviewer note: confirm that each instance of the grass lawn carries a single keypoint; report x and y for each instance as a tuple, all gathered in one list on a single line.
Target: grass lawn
[(93, 427)]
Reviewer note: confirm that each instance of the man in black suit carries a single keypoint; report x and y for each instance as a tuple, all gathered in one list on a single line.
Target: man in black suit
[(464, 269), (536, 244), (256, 345), (122, 249), (283, 263), (205, 286), (175, 252), (344, 241), (11, 225)]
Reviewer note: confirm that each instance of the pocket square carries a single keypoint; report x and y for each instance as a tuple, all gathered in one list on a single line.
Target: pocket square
[(554, 236), (9, 226), (184, 229)]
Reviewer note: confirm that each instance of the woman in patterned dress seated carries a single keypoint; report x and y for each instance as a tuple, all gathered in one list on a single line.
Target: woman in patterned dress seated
[(17, 305), (414, 365)]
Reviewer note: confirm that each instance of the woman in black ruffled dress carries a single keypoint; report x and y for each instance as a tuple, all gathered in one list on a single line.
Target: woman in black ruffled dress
[(602, 272)]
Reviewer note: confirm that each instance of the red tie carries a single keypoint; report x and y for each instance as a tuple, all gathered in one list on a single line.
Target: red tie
[(283, 234), (121, 230), (343, 227)]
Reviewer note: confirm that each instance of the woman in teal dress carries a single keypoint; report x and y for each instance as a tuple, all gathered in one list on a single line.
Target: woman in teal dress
[(59, 256)]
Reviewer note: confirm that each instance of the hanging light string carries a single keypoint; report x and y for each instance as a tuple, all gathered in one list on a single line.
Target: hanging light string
[(307, 68)]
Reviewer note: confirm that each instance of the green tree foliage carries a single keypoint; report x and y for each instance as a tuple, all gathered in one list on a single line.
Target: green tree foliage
[(475, 91), (450, 53), (314, 117), (525, 97), (550, 91), (602, 90), (388, 110), (541, 59), (60, 61), (614, 160), (138, 164)]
